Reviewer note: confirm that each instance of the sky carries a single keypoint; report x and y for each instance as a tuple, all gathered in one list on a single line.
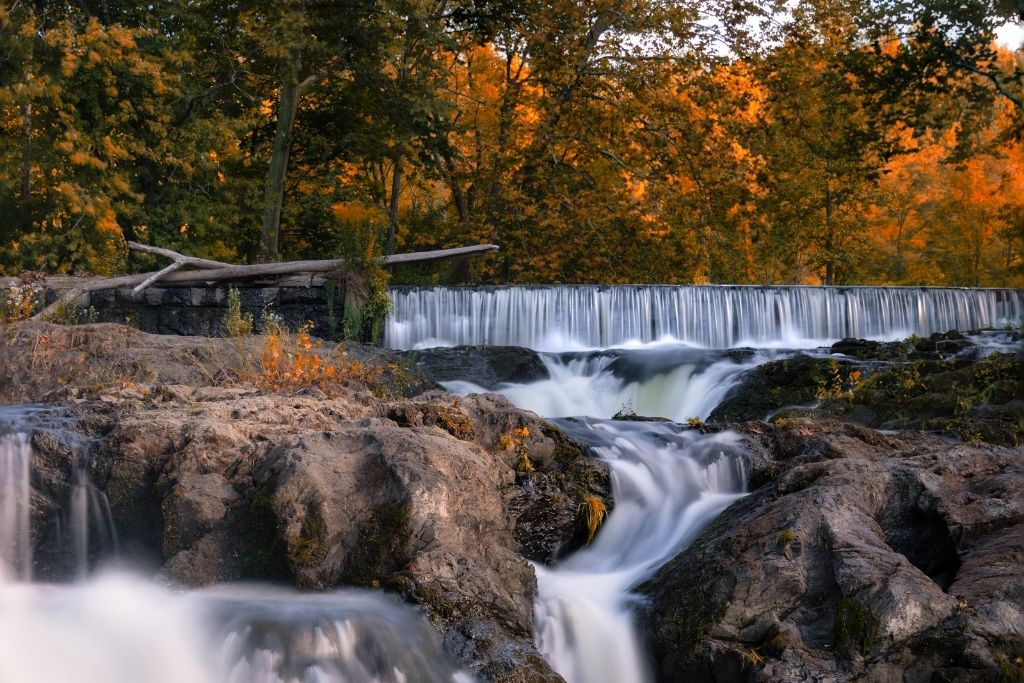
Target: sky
[(1011, 35)]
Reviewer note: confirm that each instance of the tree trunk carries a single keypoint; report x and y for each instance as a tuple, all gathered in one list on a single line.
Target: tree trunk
[(899, 250), (830, 263), (396, 191), (287, 106), (26, 166)]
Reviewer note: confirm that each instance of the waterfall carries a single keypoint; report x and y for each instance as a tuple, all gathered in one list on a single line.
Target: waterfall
[(91, 523), (673, 382), (15, 548), (668, 484), (708, 316), (119, 628)]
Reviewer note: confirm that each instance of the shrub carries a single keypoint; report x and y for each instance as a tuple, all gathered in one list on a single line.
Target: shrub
[(20, 302), (237, 323)]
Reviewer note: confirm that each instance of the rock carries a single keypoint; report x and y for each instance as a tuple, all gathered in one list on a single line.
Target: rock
[(485, 366), (967, 396), (800, 380), (972, 399), (864, 557), (322, 493), (438, 498), (863, 349), (554, 478), (70, 362)]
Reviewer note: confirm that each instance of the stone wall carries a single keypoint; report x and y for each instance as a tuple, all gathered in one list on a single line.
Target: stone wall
[(200, 311)]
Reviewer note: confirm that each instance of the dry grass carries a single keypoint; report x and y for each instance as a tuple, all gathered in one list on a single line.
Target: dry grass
[(39, 358), (594, 512)]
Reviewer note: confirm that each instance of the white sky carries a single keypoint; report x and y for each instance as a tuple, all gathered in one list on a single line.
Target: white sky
[(1010, 35)]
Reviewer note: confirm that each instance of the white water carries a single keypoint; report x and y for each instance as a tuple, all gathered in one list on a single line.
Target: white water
[(121, 628), (15, 550), (572, 317), (668, 484), (673, 382)]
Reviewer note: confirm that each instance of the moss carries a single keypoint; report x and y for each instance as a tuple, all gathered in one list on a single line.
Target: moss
[(855, 627), (566, 450), (453, 421), (1008, 656), (693, 608), (378, 551), (310, 546), (786, 538), (962, 398), (265, 554), (456, 423), (525, 465), (774, 646)]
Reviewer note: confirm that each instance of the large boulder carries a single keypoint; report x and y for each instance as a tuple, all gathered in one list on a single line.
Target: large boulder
[(797, 381), (861, 556)]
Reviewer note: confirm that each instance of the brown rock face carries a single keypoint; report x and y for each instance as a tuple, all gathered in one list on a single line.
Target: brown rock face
[(864, 556), (217, 485)]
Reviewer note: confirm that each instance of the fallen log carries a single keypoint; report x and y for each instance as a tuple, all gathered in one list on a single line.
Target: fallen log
[(220, 272), (178, 261)]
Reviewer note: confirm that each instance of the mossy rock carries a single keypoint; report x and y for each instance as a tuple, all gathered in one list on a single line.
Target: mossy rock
[(855, 628)]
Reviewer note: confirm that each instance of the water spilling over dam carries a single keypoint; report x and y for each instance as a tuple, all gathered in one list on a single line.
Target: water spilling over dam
[(567, 317)]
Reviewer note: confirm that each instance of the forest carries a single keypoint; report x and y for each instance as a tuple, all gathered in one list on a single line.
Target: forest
[(614, 141)]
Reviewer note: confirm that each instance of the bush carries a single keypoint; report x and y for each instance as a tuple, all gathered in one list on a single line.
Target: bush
[(237, 323)]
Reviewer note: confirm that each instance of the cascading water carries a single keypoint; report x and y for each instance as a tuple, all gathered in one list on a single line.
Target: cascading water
[(657, 351), (670, 381), (668, 483), (119, 628), (559, 318), (15, 549)]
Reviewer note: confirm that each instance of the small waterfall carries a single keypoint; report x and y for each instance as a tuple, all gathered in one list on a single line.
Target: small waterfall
[(668, 484), (564, 317), (91, 524), (673, 382), (15, 501)]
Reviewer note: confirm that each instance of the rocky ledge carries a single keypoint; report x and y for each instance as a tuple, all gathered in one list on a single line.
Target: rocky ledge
[(857, 556), (945, 383), (383, 483)]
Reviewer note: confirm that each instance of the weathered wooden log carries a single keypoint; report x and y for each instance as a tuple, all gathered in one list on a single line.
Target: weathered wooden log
[(226, 272)]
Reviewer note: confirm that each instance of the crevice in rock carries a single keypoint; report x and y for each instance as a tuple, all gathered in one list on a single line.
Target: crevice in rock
[(920, 535), (925, 541)]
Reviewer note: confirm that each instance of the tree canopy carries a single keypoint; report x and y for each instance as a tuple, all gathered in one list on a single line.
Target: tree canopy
[(593, 140)]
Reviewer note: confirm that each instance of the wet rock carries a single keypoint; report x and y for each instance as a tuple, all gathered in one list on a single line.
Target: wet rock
[(863, 557), (967, 396), (484, 366), (800, 380), (554, 478), (239, 485)]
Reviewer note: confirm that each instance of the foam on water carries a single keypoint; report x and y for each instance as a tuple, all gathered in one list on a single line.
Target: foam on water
[(670, 381)]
